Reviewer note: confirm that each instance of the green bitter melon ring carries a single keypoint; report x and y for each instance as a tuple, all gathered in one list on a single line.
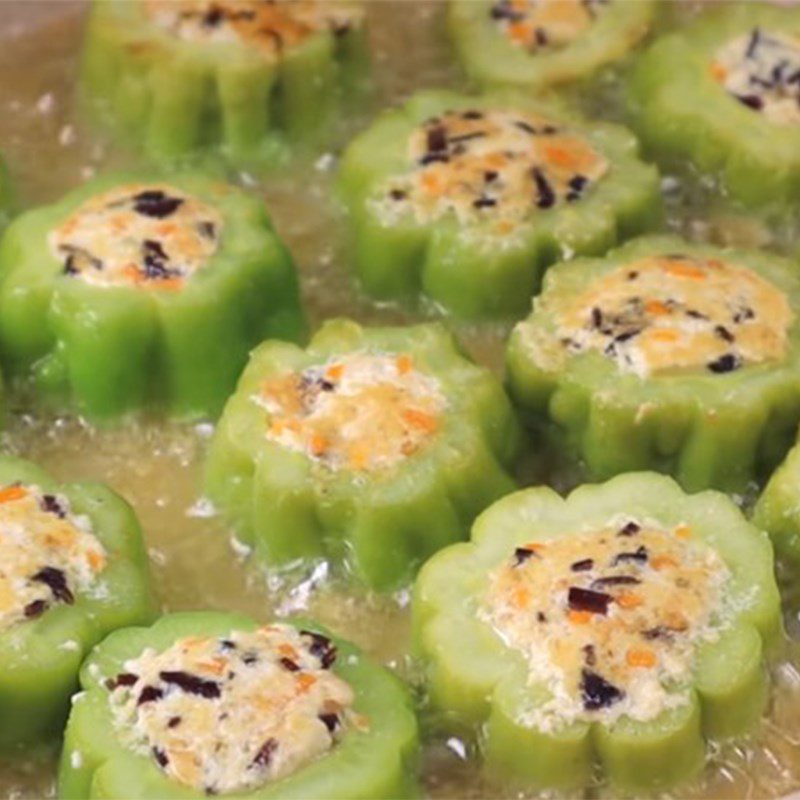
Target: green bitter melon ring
[(134, 292), (535, 44), (74, 569), (254, 78), (372, 446), (778, 508), (668, 356), (210, 703), (468, 199), (726, 95), (624, 625)]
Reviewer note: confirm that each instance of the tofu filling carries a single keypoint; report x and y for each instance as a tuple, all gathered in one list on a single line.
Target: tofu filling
[(762, 71), (360, 412), (231, 713), (269, 26), (151, 236), (678, 312), (48, 554), (494, 166), (608, 620), (544, 25)]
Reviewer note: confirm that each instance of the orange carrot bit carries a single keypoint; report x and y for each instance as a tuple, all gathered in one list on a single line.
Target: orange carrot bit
[(656, 308), (304, 682), (318, 444), (718, 72), (561, 156), (520, 31), (167, 284), (579, 617), (10, 493), (287, 650), (629, 600), (96, 560), (535, 546), (358, 456), (431, 183), (132, 273), (683, 531), (495, 161), (663, 335), (663, 560), (683, 270), (521, 597), (419, 419), (334, 372), (404, 364), (640, 657)]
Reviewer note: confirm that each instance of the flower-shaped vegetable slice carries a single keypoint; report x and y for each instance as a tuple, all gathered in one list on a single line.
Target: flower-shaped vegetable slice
[(252, 78), (725, 95), (778, 508), (623, 625), (374, 446), (207, 702), (468, 199), (668, 356), (132, 292), (74, 569), (540, 43)]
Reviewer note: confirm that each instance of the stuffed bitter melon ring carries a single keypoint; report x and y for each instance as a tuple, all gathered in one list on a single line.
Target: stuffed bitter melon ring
[(249, 76), (376, 447), (133, 292), (468, 199), (778, 508), (668, 356), (623, 625), (726, 94), (540, 43), (74, 569), (209, 703)]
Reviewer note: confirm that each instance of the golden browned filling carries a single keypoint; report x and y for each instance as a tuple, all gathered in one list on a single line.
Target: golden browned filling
[(153, 236), (360, 412), (496, 166), (545, 24), (608, 620), (677, 311), (47, 553), (271, 26), (225, 714), (762, 70)]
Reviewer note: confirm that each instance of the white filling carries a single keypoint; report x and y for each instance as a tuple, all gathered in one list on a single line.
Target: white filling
[(762, 70), (271, 27), (545, 24), (668, 598), (496, 167), (673, 312), (154, 236), (231, 713), (362, 411), (47, 553)]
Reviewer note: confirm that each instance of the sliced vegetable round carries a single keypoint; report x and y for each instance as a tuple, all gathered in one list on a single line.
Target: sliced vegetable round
[(135, 292), (778, 508), (209, 703), (540, 43), (623, 625), (74, 569), (668, 356), (253, 78), (373, 446), (468, 199), (725, 94)]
